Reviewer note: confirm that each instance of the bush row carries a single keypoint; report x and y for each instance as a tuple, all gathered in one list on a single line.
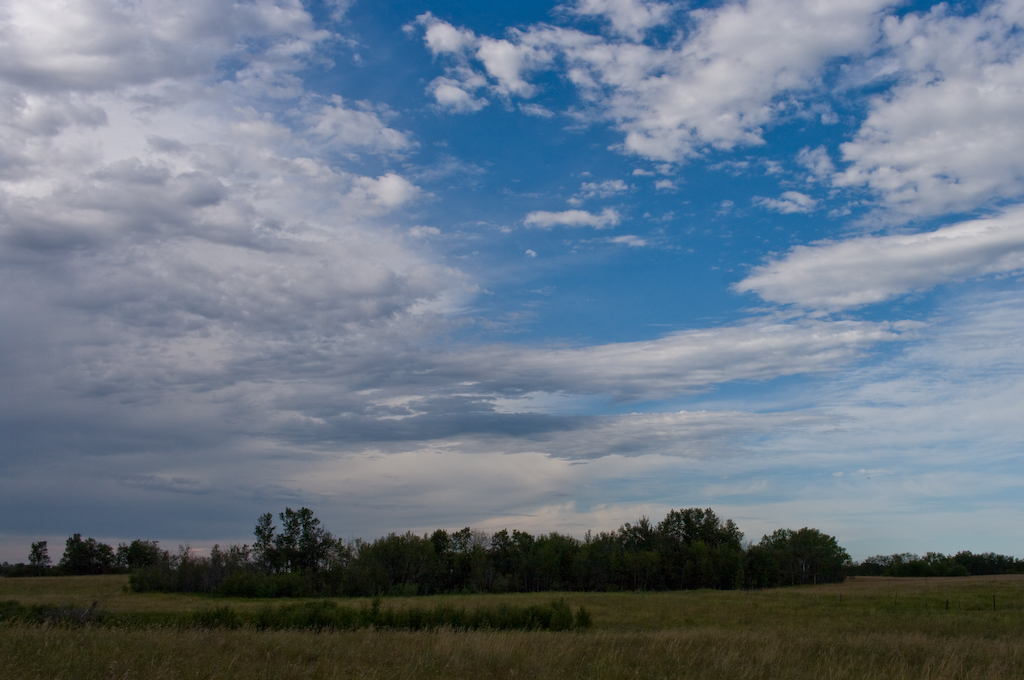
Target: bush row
[(320, 615)]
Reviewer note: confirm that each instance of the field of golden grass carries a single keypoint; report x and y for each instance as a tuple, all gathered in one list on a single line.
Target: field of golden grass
[(864, 628)]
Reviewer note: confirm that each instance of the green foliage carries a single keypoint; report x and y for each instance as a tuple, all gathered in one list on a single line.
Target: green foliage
[(87, 557), (39, 555), (319, 615), (138, 554), (66, 615), (689, 549), (220, 617), (802, 633), (804, 556), (963, 563)]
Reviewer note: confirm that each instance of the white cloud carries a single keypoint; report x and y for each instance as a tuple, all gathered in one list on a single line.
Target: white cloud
[(456, 94), (948, 137), (629, 18), (716, 88), (859, 271), (605, 189), (817, 161), (531, 253), (420, 231), (507, 62), (339, 8), (441, 37), (628, 240), (676, 363), (536, 110), (200, 240), (544, 219), (382, 194), (344, 128), (790, 202), (665, 185)]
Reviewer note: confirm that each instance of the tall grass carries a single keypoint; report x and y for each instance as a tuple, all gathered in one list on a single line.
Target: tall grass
[(53, 653), (865, 628)]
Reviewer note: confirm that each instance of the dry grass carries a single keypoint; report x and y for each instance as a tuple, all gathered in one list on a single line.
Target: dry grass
[(881, 628)]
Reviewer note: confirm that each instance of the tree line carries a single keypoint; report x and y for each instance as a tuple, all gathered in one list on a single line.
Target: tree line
[(689, 548), (964, 563)]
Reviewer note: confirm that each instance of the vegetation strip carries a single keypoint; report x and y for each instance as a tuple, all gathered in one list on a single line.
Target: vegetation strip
[(688, 549), (318, 615)]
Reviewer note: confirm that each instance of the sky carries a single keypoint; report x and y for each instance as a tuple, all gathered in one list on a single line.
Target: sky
[(542, 266)]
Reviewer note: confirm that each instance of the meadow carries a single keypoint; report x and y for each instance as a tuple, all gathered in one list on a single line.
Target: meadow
[(970, 627)]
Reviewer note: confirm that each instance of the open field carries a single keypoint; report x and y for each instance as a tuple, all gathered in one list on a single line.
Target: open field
[(864, 628)]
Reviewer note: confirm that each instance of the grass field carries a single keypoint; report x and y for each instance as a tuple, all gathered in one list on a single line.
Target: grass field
[(864, 628)]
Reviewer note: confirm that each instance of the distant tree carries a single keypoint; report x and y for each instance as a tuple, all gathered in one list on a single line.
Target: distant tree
[(264, 548), (700, 550), (806, 556), (87, 557), (39, 556), (302, 545), (760, 568), (138, 554), (303, 542)]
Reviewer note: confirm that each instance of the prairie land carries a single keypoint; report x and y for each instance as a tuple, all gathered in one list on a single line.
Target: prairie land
[(970, 627)]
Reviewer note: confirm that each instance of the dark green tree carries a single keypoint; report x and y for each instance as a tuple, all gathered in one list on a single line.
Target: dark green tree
[(263, 547), (87, 557), (39, 556), (806, 556), (138, 554), (700, 550)]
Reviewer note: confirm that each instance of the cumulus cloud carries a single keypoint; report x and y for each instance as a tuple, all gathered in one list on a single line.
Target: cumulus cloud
[(629, 18), (544, 219), (382, 194), (605, 189), (817, 161), (506, 62), (420, 231), (170, 238), (456, 95), (790, 202), (948, 136), (837, 275), (716, 88), (345, 128), (441, 37), (945, 136)]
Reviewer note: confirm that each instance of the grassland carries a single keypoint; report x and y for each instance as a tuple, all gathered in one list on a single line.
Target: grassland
[(864, 628)]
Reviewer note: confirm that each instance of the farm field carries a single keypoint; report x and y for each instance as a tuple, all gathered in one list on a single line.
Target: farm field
[(864, 628)]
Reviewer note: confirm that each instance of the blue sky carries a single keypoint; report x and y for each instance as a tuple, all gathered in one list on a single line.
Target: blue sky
[(533, 265)]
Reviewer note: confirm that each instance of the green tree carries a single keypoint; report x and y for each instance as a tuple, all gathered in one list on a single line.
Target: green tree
[(806, 556), (87, 557), (39, 556), (263, 547), (302, 546), (700, 550), (138, 554)]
